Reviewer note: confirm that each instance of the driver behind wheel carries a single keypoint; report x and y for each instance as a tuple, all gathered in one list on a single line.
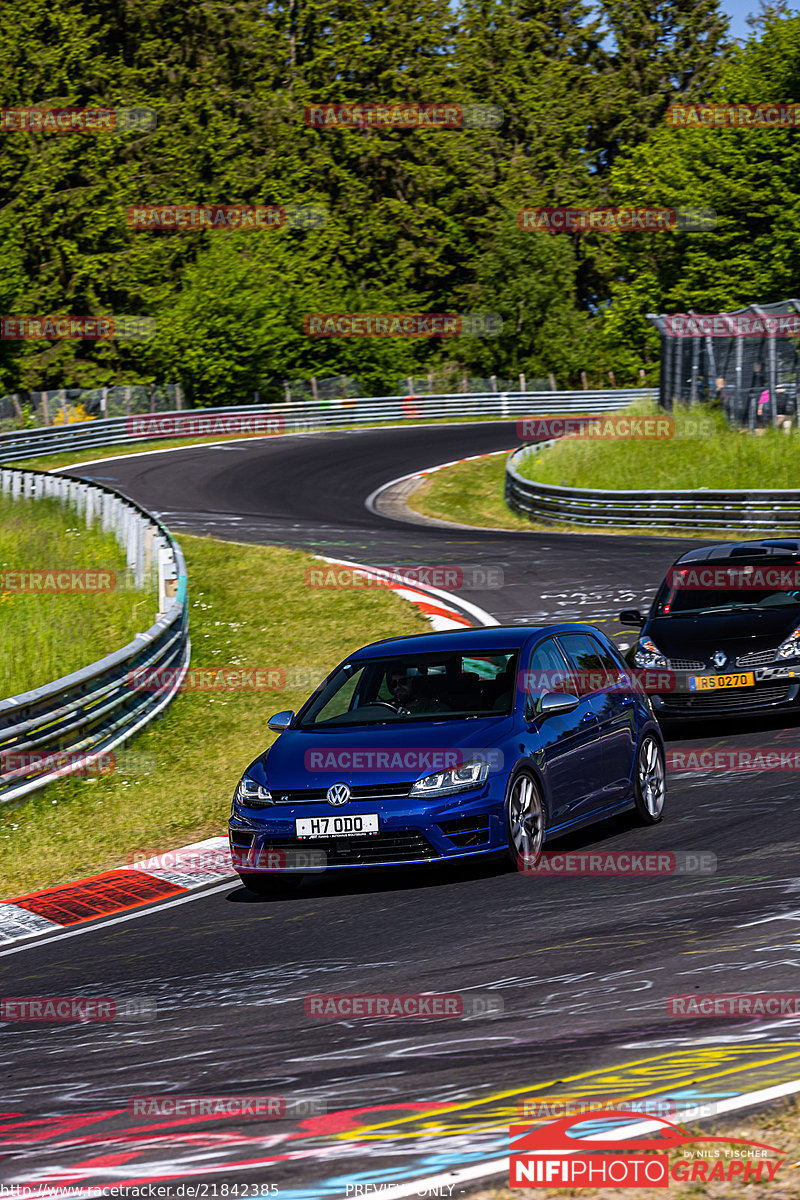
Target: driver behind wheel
[(407, 692)]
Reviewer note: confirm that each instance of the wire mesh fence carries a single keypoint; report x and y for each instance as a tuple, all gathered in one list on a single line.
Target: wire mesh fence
[(747, 361), (71, 406)]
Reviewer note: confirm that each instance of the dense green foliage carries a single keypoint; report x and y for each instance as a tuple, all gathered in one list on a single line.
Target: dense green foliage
[(418, 220)]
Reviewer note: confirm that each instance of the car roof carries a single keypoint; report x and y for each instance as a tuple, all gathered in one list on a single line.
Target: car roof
[(785, 548), (487, 637)]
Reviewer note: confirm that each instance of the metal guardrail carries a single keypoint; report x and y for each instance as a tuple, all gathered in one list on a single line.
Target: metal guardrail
[(735, 510), (91, 711), (298, 416)]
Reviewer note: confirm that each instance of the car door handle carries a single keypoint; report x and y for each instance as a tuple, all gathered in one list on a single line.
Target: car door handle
[(588, 717), (626, 701)]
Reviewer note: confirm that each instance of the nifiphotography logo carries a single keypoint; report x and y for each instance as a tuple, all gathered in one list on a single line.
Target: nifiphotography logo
[(549, 1156)]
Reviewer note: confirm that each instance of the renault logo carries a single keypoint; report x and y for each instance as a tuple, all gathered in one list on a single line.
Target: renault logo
[(719, 659), (338, 794)]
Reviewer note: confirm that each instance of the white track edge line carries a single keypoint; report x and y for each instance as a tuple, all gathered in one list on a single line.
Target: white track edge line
[(500, 1166), (372, 498), (480, 614)]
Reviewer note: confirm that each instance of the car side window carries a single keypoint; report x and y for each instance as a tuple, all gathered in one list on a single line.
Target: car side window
[(612, 662), (595, 666), (548, 671)]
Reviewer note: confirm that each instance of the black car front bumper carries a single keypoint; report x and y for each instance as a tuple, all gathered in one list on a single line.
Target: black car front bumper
[(776, 687)]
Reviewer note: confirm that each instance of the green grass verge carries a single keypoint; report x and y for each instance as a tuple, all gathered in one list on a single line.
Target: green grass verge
[(718, 456), (250, 609), (470, 493), (705, 452), (47, 635)]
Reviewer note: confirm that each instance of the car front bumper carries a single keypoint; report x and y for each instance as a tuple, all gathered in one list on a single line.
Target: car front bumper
[(776, 687), (465, 825)]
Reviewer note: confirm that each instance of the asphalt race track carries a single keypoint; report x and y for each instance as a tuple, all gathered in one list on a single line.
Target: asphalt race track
[(583, 965)]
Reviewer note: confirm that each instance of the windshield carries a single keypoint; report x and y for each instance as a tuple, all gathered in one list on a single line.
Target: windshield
[(418, 687), (710, 588)]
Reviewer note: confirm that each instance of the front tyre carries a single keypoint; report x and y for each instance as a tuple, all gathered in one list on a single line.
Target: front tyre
[(525, 812), (264, 884), (649, 785)]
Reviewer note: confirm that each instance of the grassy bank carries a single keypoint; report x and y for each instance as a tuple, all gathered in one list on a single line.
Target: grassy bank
[(705, 452), (47, 635), (250, 609), (470, 493)]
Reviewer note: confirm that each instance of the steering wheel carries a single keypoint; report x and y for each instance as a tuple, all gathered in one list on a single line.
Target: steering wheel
[(384, 704)]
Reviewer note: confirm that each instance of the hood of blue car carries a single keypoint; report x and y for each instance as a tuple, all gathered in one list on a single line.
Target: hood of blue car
[(385, 753)]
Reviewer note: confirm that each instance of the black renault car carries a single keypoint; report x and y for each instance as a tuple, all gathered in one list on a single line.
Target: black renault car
[(723, 633)]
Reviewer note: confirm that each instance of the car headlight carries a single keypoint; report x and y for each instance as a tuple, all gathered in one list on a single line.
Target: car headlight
[(648, 654), (252, 794), (791, 647), (456, 779)]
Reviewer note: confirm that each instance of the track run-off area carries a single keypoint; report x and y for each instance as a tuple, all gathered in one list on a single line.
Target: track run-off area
[(584, 965)]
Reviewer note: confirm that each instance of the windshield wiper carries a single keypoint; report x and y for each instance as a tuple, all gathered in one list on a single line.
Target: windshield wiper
[(741, 607)]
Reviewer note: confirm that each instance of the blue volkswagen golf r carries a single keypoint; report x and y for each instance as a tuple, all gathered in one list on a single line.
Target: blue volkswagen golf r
[(449, 746)]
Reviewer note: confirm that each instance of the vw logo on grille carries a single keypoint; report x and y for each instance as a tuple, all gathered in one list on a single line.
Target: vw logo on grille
[(338, 794), (719, 659)]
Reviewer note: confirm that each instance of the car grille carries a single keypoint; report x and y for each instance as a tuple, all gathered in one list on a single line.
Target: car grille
[(467, 831), (368, 791), (758, 658), (686, 664), (733, 698), (404, 846)]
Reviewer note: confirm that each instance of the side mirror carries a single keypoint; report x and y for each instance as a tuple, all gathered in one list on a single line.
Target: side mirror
[(631, 616), (552, 703), (280, 721)]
